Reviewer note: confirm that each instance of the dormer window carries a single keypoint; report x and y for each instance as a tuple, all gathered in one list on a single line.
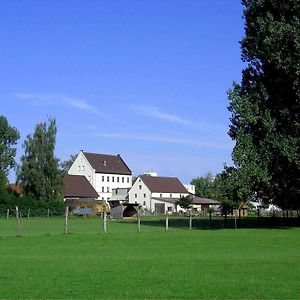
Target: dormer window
[(104, 163)]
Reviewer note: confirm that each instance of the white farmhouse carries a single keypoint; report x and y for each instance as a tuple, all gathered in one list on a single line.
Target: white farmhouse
[(104, 172), (157, 194)]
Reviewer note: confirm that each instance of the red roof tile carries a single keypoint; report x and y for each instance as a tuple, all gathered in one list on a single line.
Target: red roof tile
[(78, 187), (158, 184), (109, 164)]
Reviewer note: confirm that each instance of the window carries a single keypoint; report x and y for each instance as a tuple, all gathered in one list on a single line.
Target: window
[(113, 179), (103, 189), (122, 179), (170, 195), (135, 195), (118, 179), (140, 186), (79, 168), (104, 163), (127, 179), (144, 203), (102, 178), (102, 198), (139, 180), (107, 178), (83, 168), (108, 189), (169, 208), (160, 195), (89, 177), (144, 195)]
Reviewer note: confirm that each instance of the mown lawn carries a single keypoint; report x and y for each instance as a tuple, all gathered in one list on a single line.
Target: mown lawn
[(153, 264)]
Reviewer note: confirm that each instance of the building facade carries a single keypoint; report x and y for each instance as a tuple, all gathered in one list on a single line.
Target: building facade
[(104, 172), (157, 194)]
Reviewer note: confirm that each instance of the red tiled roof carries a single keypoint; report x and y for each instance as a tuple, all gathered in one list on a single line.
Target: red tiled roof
[(109, 164), (158, 184), (78, 187), (16, 188)]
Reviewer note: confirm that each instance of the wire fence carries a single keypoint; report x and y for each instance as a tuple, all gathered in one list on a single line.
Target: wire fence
[(23, 223)]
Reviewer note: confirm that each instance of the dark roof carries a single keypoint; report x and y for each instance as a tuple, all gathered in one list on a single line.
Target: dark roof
[(158, 184), (79, 187), (198, 200), (109, 164)]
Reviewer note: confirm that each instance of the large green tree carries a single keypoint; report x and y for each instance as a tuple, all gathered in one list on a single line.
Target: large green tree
[(265, 107), (39, 172), (8, 139)]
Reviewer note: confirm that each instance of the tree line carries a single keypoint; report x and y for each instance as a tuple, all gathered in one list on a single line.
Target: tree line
[(39, 173)]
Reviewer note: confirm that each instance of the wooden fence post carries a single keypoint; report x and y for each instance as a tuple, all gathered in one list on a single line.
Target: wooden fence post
[(28, 213), (66, 220), (7, 214), (191, 221), (138, 222), (18, 222), (104, 221), (167, 221)]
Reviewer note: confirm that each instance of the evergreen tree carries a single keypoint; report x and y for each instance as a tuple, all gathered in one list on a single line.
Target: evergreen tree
[(39, 172), (265, 107), (8, 138)]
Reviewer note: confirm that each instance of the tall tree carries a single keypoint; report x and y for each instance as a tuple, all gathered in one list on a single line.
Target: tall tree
[(204, 186), (39, 172), (265, 107), (8, 138)]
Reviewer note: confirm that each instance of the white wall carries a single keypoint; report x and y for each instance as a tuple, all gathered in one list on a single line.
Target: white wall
[(81, 166), (140, 194), (106, 182)]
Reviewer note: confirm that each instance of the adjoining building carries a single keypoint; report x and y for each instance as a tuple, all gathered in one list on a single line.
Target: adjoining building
[(80, 196), (157, 194), (104, 172)]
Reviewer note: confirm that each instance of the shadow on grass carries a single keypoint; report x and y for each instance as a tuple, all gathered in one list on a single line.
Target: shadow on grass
[(219, 223)]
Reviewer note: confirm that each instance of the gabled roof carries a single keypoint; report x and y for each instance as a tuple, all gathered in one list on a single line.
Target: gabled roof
[(158, 184), (78, 187), (108, 164)]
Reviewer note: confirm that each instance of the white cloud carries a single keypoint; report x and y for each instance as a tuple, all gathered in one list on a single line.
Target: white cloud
[(156, 113), (57, 99), (165, 139)]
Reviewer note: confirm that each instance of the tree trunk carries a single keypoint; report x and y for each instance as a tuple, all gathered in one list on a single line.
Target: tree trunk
[(7, 214), (138, 222)]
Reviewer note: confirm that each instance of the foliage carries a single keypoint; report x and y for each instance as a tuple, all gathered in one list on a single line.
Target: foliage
[(65, 165), (185, 202), (39, 173), (204, 186), (8, 138), (265, 107)]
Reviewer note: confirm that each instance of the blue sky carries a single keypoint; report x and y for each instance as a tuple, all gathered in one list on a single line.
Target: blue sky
[(146, 79)]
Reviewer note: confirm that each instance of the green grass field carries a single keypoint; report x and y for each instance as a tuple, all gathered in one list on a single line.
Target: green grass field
[(152, 264)]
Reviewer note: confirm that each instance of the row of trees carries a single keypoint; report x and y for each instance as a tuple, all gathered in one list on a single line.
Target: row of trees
[(39, 173)]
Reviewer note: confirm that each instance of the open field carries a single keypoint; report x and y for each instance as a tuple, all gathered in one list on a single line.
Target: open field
[(228, 263)]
